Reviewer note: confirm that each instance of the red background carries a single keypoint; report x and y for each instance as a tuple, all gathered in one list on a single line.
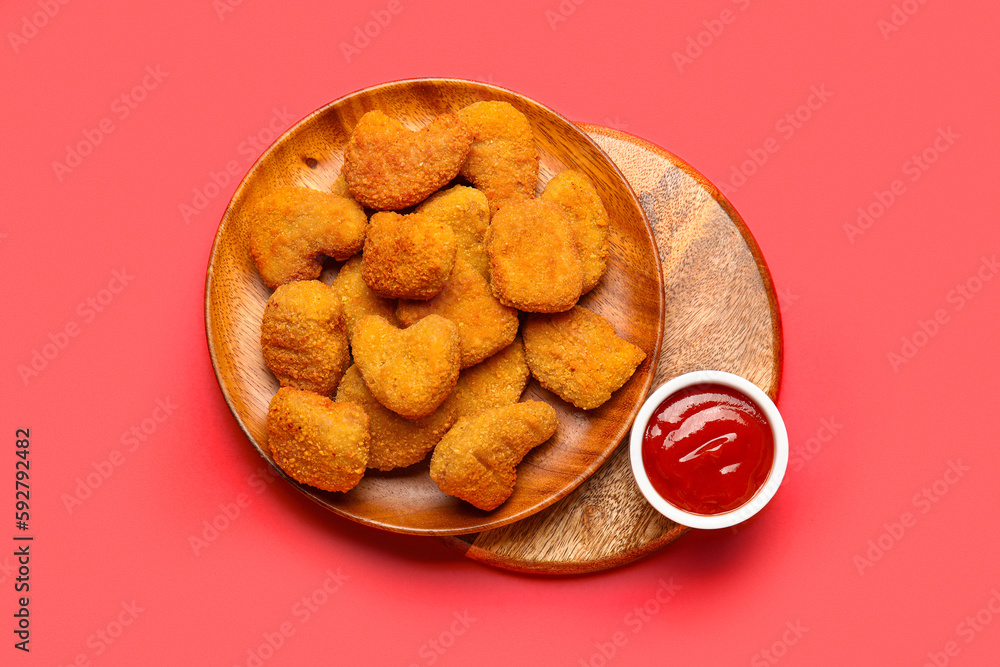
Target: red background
[(871, 553)]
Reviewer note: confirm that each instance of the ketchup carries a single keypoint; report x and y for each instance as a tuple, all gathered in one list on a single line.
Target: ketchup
[(707, 449)]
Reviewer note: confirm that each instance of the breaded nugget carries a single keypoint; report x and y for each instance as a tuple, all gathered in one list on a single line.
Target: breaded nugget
[(291, 229), (534, 263), (396, 442), (410, 371), (578, 356), (485, 325), (303, 337), (575, 192), (316, 441), (499, 380), (357, 299), (476, 460), (407, 256), (389, 167), (467, 211), (503, 160), (339, 186)]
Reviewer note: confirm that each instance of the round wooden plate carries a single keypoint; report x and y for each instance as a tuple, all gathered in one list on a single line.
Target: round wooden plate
[(721, 314), (630, 296)]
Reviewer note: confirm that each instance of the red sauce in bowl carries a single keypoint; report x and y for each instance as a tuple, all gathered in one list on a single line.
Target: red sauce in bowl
[(707, 449)]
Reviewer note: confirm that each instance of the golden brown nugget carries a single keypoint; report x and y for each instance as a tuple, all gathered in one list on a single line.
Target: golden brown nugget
[(410, 371), (291, 229), (499, 380), (389, 167), (316, 441), (575, 192), (407, 256), (534, 263), (477, 459), (467, 211), (578, 356), (503, 160), (357, 299), (303, 337), (485, 325), (339, 186), (396, 442)]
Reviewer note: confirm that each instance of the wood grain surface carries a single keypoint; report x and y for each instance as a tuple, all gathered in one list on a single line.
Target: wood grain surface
[(630, 296), (721, 314)]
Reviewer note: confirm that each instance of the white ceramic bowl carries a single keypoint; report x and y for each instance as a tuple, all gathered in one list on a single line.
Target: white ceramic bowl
[(759, 499)]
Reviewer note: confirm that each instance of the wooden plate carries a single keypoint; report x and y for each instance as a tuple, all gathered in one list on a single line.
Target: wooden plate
[(722, 314), (630, 296)]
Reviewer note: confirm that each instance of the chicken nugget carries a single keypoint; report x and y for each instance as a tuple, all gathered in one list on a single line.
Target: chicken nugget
[(503, 160), (578, 356), (485, 325), (477, 459), (303, 337), (534, 263), (389, 167), (396, 442), (499, 380), (575, 192), (407, 256), (357, 299), (316, 441), (467, 211), (291, 229), (339, 186), (410, 371)]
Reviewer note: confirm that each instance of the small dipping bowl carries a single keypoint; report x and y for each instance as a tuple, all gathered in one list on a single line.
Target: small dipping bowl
[(763, 494)]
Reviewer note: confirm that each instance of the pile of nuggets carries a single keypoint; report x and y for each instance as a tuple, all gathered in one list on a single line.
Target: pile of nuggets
[(419, 343)]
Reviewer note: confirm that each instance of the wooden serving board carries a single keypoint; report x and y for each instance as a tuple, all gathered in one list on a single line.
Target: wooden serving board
[(721, 314)]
